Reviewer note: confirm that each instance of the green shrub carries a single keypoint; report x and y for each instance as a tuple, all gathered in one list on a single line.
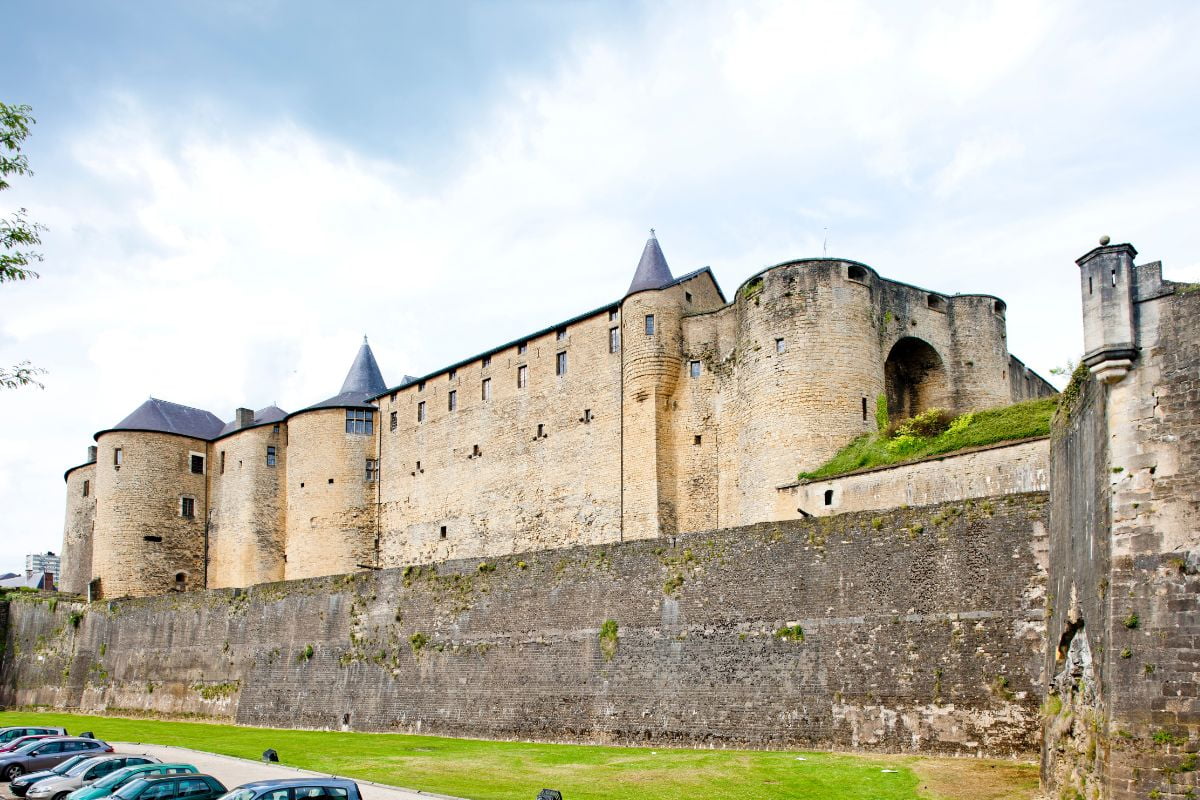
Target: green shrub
[(418, 641), (608, 639), (790, 633), (306, 654)]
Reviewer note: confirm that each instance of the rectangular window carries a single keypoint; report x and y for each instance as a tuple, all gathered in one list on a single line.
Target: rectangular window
[(452, 374), (541, 431), (421, 411), (372, 472), (694, 369), (275, 428), (864, 408), (421, 386), (522, 348), (522, 376), (118, 454), (485, 389), (187, 507), (222, 462), (696, 439), (614, 340), (419, 467), (587, 416), (560, 335), (270, 456), (452, 400), (87, 488), (393, 421), (487, 361), (359, 420), (197, 464), (476, 452), (442, 532), (612, 314), (780, 345), (560, 364), (687, 296), (649, 324)]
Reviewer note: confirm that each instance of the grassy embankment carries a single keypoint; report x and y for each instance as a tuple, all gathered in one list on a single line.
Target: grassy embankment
[(483, 770), (934, 433)]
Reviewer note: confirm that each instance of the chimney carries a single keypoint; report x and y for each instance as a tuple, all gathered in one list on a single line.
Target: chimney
[(91, 459), (244, 417)]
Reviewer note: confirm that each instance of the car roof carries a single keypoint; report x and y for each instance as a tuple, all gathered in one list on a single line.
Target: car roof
[(157, 778), (282, 782)]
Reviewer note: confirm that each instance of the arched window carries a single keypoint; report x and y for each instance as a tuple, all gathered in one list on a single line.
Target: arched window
[(181, 581)]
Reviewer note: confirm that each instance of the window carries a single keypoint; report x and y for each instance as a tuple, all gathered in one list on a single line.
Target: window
[(152, 538), (419, 467), (936, 303), (612, 314), (421, 386), (392, 421), (275, 428), (187, 507), (452, 400), (87, 488), (270, 456), (442, 533), (856, 273), (649, 324), (222, 462), (487, 362), (476, 452), (372, 471), (421, 411), (197, 464), (522, 376), (359, 420), (587, 416), (541, 431), (864, 408), (614, 340), (780, 345), (560, 363), (694, 369), (829, 497), (522, 348), (452, 375), (696, 439), (118, 454), (687, 296), (560, 335), (485, 389)]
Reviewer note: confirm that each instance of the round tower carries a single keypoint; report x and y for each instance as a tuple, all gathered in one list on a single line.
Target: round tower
[(77, 530), (152, 501), (332, 477), (982, 363)]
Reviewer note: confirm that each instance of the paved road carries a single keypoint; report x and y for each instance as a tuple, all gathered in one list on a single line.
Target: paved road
[(235, 771)]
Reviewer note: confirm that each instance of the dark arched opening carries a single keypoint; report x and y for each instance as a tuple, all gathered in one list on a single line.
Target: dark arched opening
[(915, 378)]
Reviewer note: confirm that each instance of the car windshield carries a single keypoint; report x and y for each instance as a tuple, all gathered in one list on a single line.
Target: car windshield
[(237, 794), (113, 778), (28, 748), (131, 789), (81, 766), (69, 764)]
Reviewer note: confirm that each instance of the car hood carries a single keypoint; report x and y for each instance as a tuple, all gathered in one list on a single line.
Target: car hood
[(57, 782), (87, 793), (36, 776)]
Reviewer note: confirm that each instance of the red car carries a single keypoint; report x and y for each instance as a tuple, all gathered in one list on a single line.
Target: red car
[(21, 741)]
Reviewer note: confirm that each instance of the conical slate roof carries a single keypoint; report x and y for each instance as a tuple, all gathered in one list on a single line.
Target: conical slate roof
[(652, 270), (264, 416), (166, 417), (363, 381)]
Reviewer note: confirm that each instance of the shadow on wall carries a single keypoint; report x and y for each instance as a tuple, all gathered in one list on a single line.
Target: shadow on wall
[(915, 378)]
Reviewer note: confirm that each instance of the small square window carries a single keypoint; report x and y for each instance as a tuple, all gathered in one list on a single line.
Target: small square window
[(614, 340), (187, 507), (393, 420), (522, 348), (696, 439), (421, 411), (372, 470), (560, 335), (487, 361), (197, 464), (694, 369), (270, 456), (452, 400), (522, 376), (649, 324), (485, 389), (560, 363)]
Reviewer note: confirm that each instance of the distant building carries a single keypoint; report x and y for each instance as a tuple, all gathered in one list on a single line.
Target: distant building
[(42, 564)]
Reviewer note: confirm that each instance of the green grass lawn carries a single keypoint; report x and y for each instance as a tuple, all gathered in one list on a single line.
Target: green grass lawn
[(485, 770), (990, 426)]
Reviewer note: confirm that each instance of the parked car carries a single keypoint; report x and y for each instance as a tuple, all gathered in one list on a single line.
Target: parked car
[(21, 741), (88, 772), (115, 780), (297, 789), (46, 753), (21, 785), (171, 787), (13, 731)]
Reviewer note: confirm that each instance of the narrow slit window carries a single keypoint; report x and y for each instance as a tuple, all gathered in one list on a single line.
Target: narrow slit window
[(649, 324), (452, 400), (222, 462), (694, 369), (587, 416), (87, 488), (560, 364), (541, 431), (829, 497), (1114, 276), (421, 411), (475, 451), (393, 421), (864, 409), (485, 389), (442, 533), (118, 456), (522, 376), (614, 340), (270, 456), (419, 467)]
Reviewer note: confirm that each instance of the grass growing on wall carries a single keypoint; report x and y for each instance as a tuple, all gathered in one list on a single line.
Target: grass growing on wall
[(920, 438), (484, 770)]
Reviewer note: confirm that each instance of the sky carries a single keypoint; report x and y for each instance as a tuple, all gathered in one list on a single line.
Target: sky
[(236, 191)]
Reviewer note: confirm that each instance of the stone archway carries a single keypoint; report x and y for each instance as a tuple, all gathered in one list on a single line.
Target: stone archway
[(915, 378)]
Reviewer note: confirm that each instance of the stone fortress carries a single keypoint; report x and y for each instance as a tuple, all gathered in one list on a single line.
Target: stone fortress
[(595, 534), (672, 410)]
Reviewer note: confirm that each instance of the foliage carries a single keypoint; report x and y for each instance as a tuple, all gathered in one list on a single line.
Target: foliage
[(417, 641), (1024, 420), (608, 639), (17, 234), (881, 413), (494, 770), (306, 654), (790, 633)]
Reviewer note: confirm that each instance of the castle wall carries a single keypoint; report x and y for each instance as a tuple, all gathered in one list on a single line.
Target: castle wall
[(330, 504), (142, 542), (77, 532), (1009, 468), (1125, 556), (917, 637), (247, 507), (520, 491)]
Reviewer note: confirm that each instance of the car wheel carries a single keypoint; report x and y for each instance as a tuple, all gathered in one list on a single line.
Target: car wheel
[(61, 796), (13, 772)]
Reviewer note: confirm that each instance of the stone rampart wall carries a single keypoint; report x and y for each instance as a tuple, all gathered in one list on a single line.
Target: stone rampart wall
[(915, 630)]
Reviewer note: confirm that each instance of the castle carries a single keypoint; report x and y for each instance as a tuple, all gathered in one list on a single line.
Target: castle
[(671, 410)]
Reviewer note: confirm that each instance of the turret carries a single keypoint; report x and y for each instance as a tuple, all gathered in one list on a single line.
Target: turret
[(1106, 276)]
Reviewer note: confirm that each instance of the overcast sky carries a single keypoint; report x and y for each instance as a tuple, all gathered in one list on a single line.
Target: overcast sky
[(237, 191)]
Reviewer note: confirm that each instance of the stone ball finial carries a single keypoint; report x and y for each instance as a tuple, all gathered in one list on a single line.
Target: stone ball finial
[(1104, 240)]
